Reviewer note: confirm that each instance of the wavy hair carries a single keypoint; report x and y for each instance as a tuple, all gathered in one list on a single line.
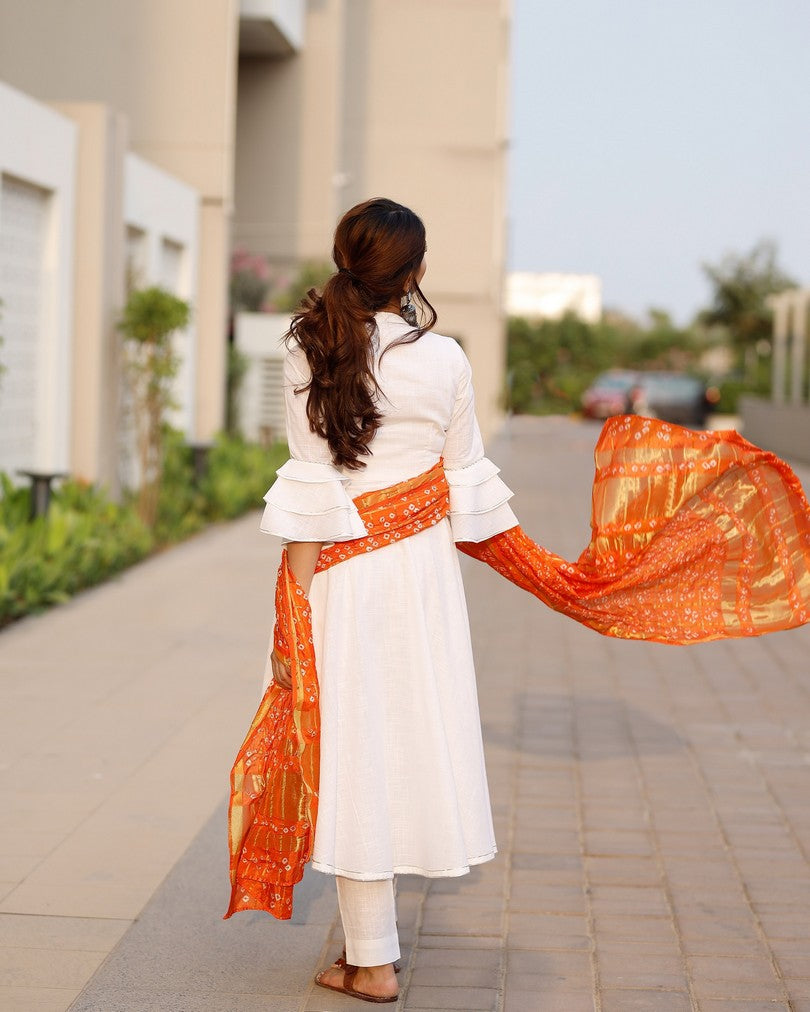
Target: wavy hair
[(378, 249)]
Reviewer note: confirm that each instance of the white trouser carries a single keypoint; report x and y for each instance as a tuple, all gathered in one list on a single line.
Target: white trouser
[(368, 912)]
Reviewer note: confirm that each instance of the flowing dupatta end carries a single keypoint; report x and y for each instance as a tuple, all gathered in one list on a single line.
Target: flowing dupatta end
[(695, 536)]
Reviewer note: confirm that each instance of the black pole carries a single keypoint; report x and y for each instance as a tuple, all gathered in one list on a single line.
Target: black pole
[(41, 490)]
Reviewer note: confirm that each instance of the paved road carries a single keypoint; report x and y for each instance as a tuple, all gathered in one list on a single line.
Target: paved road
[(652, 803)]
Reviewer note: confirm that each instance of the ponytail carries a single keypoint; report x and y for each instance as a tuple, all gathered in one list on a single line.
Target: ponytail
[(379, 245)]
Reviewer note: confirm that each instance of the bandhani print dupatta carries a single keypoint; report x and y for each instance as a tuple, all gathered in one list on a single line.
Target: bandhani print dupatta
[(695, 536)]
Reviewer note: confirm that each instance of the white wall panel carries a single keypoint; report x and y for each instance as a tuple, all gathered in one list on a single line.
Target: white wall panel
[(37, 168)]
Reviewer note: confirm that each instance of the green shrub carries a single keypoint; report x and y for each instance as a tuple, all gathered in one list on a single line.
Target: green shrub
[(86, 537), (238, 475), (181, 508)]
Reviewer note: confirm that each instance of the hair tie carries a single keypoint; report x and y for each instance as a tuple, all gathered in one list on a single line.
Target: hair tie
[(349, 274)]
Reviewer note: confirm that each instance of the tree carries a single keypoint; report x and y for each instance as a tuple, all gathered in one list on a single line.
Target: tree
[(150, 317), (740, 287)]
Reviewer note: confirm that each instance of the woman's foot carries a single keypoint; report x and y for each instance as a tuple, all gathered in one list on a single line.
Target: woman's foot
[(374, 983), (341, 961)]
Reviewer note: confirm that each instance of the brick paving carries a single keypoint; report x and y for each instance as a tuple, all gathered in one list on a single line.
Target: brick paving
[(652, 808)]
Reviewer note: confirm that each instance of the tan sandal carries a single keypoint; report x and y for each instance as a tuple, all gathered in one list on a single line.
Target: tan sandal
[(341, 961), (349, 972)]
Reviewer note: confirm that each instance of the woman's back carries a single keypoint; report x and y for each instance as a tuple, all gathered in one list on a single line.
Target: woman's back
[(423, 386)]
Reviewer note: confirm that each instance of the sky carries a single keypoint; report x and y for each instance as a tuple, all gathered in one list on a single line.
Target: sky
[(650, 136)]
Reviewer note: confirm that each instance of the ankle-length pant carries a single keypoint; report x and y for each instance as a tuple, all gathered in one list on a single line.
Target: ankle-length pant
[(368, 912)]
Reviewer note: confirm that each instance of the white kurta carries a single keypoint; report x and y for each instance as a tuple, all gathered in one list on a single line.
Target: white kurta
[(403, 787)]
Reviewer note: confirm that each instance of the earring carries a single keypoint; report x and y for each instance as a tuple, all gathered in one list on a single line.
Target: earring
[(408, 309)]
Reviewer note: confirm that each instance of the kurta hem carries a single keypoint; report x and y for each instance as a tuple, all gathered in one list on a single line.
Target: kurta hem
[(406, 869)]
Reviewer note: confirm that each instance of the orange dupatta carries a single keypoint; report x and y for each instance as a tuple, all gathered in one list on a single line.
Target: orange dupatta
[(274, 780), (695, 536)]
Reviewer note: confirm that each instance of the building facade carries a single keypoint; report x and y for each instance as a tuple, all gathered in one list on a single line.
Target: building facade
[(276, 116), (409, 104), (549, 296)]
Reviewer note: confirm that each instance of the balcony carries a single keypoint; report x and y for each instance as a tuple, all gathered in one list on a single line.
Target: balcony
[(270, 27)]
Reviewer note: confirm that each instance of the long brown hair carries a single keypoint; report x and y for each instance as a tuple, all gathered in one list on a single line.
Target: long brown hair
[(378, 249)]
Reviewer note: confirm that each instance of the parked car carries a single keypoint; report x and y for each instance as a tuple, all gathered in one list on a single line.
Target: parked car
[(610, 394), (670, 396), (673, 397)]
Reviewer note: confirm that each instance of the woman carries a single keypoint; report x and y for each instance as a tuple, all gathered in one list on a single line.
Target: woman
[(373, 399), (695, 536)]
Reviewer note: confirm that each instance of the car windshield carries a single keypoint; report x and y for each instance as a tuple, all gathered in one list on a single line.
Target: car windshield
[(677, 385), (615, 381)]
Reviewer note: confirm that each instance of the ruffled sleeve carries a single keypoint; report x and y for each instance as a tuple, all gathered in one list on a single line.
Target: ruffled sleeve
[(479, 502), (308, 500)]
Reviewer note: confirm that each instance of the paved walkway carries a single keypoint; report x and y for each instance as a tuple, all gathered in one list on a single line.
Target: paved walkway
[(652, 803)]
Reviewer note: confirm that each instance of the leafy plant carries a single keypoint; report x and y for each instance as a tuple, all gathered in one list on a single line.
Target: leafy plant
[(150, 318)]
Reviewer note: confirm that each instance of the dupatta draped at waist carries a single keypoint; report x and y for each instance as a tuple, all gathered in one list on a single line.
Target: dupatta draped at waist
[(274, 780), (695, 536)]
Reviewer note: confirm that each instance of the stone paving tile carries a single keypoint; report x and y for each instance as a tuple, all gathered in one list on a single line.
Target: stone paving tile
[(741, 1005), (488, 960), (645, 1001), (634, 900), (549, 971), (544, 898), (517, 1000), (635, 927), (458, 976), (450, 921), (468, 999), (730, 977), (618, 843), (460, 941), (623, 871), (641, 970)]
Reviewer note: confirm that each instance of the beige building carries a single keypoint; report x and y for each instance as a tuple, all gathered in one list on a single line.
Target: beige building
[(550, 295), (403, 101), (280, 114)]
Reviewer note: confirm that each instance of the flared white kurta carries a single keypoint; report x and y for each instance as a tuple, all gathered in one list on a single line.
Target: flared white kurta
[(403, 786)]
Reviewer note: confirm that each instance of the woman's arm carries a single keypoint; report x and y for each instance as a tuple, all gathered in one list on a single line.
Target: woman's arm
[(302, 557)]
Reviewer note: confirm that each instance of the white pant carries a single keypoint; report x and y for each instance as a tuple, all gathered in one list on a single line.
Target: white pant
[(368, 912)]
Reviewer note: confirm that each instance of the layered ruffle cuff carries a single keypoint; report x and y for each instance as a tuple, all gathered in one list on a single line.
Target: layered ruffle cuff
[(309, 502), (479, 502)]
